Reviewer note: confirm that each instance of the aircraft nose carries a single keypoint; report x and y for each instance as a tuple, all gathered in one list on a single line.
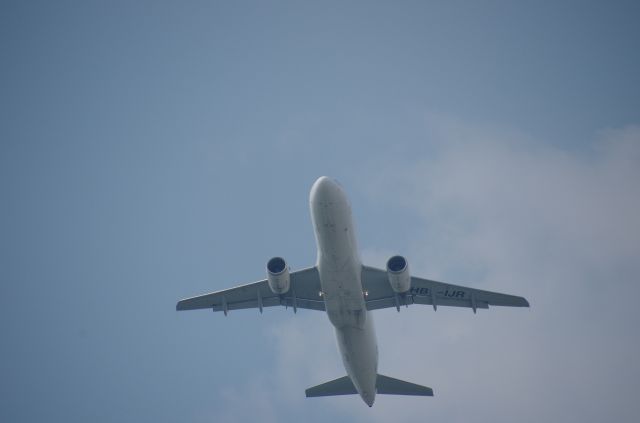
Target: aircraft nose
[(323, 189)]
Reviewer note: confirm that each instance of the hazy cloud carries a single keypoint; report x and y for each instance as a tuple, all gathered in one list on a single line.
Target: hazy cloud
[(498, 210)]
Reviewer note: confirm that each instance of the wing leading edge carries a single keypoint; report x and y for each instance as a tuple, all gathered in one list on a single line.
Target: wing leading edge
[(304, 293), (425, 291)]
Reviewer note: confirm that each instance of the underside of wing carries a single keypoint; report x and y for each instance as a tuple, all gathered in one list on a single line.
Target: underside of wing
[(425, 291), (303, 293)]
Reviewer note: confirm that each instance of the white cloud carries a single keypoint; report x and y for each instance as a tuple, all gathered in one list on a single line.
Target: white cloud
[(560, 227)]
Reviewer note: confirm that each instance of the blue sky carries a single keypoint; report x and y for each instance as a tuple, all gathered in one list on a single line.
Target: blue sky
[(157, 150)]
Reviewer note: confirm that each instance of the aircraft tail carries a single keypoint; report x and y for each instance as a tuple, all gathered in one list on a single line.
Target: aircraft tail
[(391, 386), (340, 386), (385, 385)]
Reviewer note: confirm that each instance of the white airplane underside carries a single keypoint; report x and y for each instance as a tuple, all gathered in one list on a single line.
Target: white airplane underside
[(347, 290)]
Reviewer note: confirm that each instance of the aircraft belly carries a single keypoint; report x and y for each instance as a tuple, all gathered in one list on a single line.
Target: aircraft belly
[(359, 354), (342, 292), (340, 269), (355, 335)]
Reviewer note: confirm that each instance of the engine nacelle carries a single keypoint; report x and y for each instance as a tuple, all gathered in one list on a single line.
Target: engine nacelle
[(278, 275), (398, 272)]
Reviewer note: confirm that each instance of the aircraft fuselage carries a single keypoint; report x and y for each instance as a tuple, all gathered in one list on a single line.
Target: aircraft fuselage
[(340, 269)]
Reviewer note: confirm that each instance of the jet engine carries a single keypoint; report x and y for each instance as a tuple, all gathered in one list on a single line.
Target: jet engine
[(398, 272), (278, 275)]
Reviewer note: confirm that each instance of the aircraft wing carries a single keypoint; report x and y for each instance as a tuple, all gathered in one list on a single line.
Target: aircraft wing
[(303, 293), (424, 291)]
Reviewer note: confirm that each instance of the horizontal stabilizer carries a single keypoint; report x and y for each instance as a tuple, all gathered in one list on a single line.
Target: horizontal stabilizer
[(384, 385), (391, 386), (340, 386)]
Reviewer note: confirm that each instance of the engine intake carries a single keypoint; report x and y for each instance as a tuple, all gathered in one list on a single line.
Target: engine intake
[(398, 272), (278, 275)]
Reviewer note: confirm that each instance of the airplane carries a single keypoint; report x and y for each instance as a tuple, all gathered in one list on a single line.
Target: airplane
[(347, 291)]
